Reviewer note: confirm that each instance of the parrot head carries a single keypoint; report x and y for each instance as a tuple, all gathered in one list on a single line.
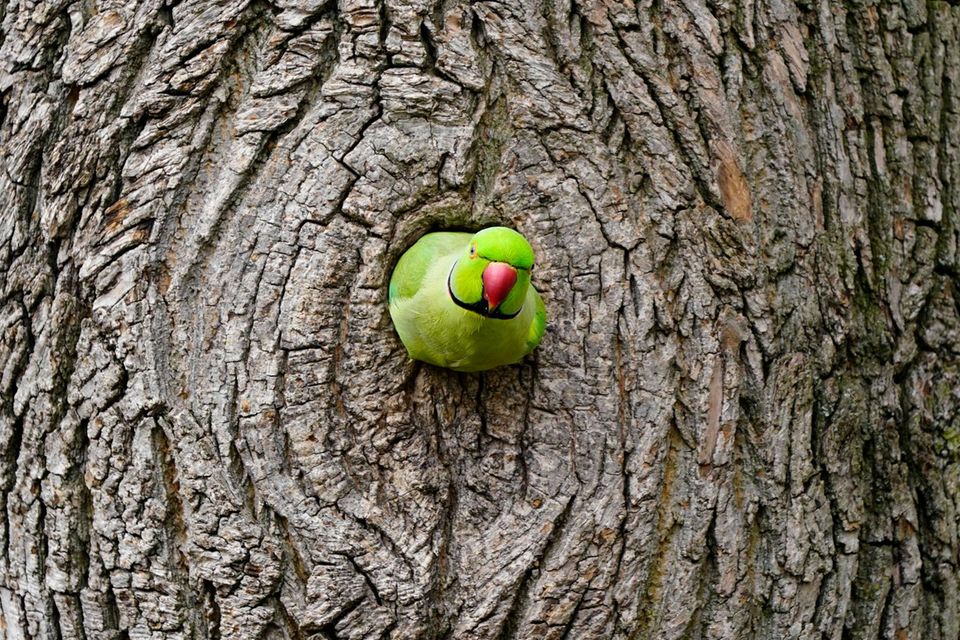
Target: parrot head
[(492, 275)]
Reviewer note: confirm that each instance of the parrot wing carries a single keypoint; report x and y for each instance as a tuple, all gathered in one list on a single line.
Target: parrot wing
[(413, 265), (539, 324)]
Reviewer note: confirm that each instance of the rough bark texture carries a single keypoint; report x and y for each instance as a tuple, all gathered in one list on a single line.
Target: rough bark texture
[(744, 420)]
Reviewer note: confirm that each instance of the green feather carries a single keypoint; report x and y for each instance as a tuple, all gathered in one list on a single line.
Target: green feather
[(539, 324), (410, 270), (435, 329)]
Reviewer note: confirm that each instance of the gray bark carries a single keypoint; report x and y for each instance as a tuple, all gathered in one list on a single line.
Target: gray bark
[(744, 419)]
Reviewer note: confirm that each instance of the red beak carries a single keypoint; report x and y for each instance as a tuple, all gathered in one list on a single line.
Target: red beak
[(498, 279)]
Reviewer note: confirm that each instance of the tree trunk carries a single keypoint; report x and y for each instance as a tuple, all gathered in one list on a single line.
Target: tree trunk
[(744, 419)]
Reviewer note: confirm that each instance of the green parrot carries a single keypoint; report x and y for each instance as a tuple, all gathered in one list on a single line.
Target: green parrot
[(465, 302)]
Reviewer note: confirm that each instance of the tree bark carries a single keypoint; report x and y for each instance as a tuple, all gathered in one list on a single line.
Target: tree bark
[(744, 419)]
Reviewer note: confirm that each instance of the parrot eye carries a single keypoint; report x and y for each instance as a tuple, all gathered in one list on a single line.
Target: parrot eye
[(473, 251)]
